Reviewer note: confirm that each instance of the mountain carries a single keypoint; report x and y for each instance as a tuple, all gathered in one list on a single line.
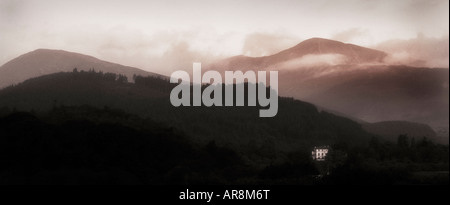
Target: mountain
[(379, 93), (354, 80), (297, 124), (309, 52), (93, 128), (318, 46), (45, 61)]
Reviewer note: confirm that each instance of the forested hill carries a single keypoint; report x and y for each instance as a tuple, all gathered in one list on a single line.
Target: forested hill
[(297, 124), (96, 128)]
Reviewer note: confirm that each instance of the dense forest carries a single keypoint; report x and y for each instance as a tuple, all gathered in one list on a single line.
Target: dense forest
[(96, 128)]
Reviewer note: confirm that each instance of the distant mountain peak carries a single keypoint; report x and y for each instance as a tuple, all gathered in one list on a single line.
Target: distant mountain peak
[(316, 46), (40, 51), (319, 40), (317, 43), (48, 50), (55, 55), (47, 61), (353, 54)]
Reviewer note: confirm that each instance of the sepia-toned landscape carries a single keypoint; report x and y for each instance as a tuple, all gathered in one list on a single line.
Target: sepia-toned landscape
[(363, 93)]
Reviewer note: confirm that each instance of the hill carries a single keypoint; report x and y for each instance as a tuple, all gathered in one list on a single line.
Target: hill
[(354, 80), (312, 51), (297, 125), (96, 128), (45, 61)]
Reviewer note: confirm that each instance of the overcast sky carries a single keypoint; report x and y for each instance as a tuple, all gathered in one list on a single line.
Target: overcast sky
[(144, 33)]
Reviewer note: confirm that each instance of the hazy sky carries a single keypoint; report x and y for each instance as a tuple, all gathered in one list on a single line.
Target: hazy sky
[(160, 34)]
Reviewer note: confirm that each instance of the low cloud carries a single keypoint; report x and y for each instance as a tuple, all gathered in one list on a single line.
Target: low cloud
[(314, 60), (350, 35), (162, 52), (264, 44), (419, 51), (180, 56)]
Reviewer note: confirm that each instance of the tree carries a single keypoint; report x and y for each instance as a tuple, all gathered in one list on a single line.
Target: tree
[(110, 76), (413, 142), (122, 79), (402, 141)]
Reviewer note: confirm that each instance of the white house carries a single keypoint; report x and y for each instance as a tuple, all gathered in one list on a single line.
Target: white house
[(319, 153)]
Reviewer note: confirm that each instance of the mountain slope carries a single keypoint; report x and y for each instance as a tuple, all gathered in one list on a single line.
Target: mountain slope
[(310, 50), (376, 93), (297, 124), (354, 80), (354, 54), (44, 61)]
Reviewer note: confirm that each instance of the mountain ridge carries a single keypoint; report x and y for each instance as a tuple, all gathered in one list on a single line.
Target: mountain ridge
[(326, 46), (146, 99), (352, 54), (47, 61), (354, 80)]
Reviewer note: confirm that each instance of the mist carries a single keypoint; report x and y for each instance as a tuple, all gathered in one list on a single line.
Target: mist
[(421, 51), (263, 44), (313, 60)]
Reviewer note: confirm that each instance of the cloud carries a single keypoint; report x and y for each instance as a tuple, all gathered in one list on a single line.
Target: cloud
[(10, 11), (419, 51), (161, 52), (350, 35), (180, 56), (313, 60), (263, 44)]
